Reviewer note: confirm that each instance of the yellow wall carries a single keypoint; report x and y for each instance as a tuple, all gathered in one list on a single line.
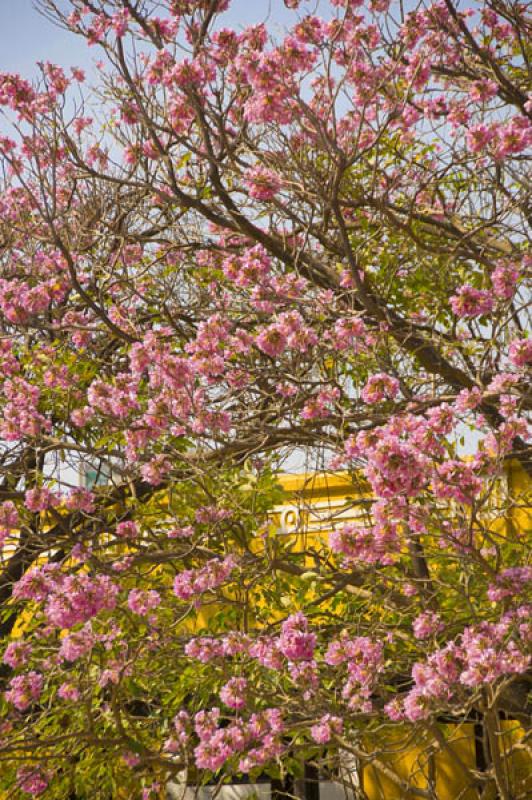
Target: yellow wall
[(314, 505)]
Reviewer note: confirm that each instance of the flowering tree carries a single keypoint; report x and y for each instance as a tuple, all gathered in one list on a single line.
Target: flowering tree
[(238, 246)]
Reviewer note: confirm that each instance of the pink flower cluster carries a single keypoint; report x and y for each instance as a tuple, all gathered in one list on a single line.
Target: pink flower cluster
[(263, 183), (426, 624), (37, 583), (255, 742), (328, 725), (289, 331), (183, 532), (380, 387), (296, 642), (520, 352), (77, 644), (365, 662), (20, 302), (469, 302), (483, 654), (115, 400), (32, 780), (80, 500), (249, 269), (456, 480), (321, 404), (21, 416), (127, 530), (349, 332), (70, 599), (233, 693), (510, 582), (17, 653), (182, 733), (397, 463), (142, 601), (376, 545), (79, 598), (504, 280), (194, 582), (25, 689), (9, 519), (67, 691), (502, 139), (207, 648), (41, 499)]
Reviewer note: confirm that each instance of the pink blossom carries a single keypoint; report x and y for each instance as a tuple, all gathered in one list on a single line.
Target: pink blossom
[(17, 653), (296, 642), (441, 419), (25, 689), (32, 780), (520, 352), (210, 515), (503, 382), (131, 759), (40, 499), (82, 416), (78, 598), (127, 530), (263, 183), (504, 281), (81, 123), (77, 644), (368, 545), (67, 691), (143, 601), (321, 404), (469, 302), (37, 583), (233, 693), (194, 582), (364, 659), (426, 624), (305, 676), (483, 90), (249, 269), (416, 706), (348, 332), (182, 727), (468, 399), (156, 470), (9, 519), (323, 731), (394, 709), (272, 341), (512, 137), (395, 464), (119, 22), (511, 581), (266, 651), (478, 137), (456, 480), (205, 649), (183, 532), (80, 500)]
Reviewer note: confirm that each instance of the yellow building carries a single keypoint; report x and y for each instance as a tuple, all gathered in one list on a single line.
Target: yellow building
[(437, 764), (408, 762)]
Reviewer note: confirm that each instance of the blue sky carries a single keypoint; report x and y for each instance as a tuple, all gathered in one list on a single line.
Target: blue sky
[(26, 37)]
